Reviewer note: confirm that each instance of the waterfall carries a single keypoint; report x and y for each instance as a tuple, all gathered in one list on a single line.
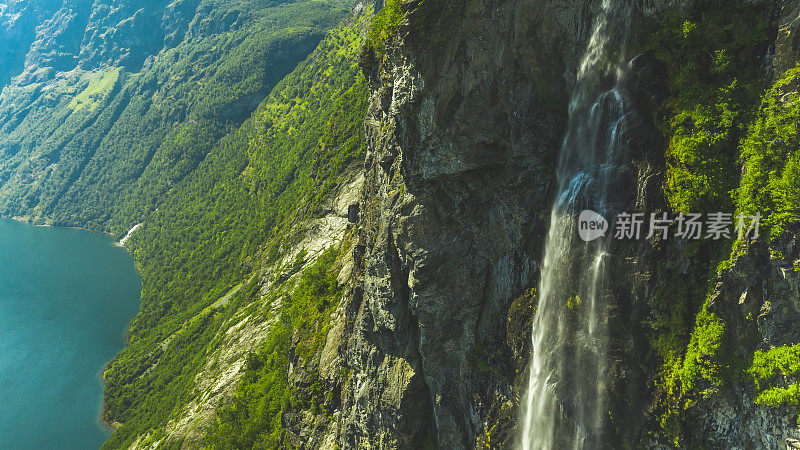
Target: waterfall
[(566, 404)]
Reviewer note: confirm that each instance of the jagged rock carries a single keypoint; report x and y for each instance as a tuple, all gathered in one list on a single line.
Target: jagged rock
[(787, 43), (757, 285), (464, 124), (464, 121)]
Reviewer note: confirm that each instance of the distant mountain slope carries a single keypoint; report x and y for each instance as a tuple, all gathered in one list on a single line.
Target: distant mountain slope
[(116, 102)]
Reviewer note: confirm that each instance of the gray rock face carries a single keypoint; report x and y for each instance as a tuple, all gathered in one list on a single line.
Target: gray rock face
[(467, 111), (787, 48), (464, 123), (18, 22), (763, 285), (756, 285)]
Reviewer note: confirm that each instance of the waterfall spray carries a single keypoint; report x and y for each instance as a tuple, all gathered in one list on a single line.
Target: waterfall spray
[(566, 404)]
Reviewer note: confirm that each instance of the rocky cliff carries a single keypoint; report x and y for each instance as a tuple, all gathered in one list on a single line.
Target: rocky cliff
[(468, 103), (464, 122)]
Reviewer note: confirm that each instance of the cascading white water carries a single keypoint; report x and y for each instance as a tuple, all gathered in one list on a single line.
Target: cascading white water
[(566, 405)]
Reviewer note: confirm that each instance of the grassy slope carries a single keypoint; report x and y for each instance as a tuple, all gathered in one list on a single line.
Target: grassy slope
[(254, 418)]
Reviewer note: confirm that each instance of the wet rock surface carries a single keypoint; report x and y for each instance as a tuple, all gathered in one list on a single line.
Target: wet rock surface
[(464, 124), (468, 108)]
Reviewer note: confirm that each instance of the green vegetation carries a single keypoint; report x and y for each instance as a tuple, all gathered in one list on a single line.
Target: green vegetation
[(677, 303), (699, 371), (103, 151), (221, 145), (253, 419), (771, 157), (715, 84), (698, 364), (770, 186), (97, 91), (383, 26), (777, 374), (228, 216)]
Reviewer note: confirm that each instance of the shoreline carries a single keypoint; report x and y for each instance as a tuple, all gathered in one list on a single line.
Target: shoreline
[(46, 225), (101, 417)]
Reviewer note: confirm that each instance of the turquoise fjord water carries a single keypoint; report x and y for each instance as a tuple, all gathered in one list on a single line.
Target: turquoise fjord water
[(66, 297)]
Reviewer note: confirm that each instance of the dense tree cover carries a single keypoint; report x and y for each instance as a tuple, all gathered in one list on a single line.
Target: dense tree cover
[(383, 26), (214, 227), (108, 165), (215, 150)]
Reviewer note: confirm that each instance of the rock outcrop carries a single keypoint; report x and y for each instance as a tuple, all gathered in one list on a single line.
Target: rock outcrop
[(464, 124), (468, 105), (762, 286)]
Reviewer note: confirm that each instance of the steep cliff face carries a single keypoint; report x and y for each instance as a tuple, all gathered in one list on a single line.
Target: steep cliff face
[(45, 36), (468, 105), (466, 112), (18, 22), (730, 384), (757, 300), (748, 398)]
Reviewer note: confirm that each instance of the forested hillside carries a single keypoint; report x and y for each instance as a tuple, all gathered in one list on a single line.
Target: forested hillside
[(116, 103), (182, 118), (231, 219)]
